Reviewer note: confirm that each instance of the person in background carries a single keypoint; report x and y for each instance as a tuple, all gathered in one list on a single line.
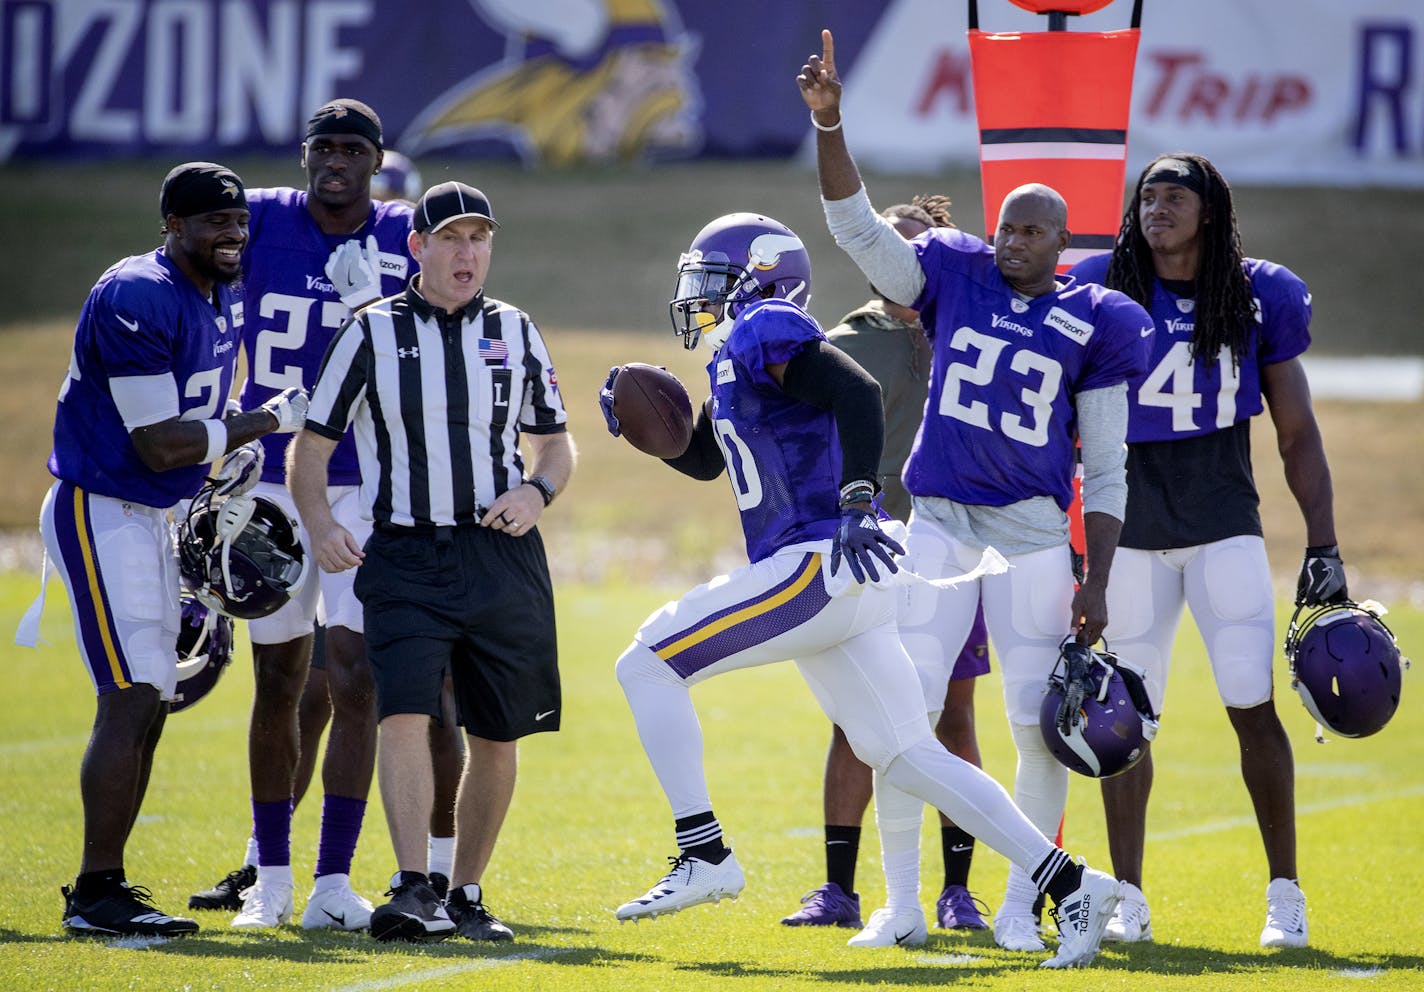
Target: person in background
[(887, 340), (313, 257)]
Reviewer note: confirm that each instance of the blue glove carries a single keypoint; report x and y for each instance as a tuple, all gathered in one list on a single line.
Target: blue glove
[(860, 541), (1322, 577), (605, 400)]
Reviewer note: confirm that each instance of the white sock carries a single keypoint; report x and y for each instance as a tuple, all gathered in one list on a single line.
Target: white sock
[(275, 875), (898, 816), (250, 858), (440, 855)]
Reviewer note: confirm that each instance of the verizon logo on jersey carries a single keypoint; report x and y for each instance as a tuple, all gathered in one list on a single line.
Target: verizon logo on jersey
[(1069, 326)]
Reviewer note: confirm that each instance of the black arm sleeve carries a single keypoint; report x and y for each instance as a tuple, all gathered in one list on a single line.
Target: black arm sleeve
[(825, 377), (703, 458)]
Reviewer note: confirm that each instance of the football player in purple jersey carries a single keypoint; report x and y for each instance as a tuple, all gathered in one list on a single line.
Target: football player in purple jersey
[(1230, 331), (1024, 363), (314, 256), (140, 414), (798, 427)]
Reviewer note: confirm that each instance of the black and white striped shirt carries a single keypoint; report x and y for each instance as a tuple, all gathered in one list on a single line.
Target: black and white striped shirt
[(438, 402)]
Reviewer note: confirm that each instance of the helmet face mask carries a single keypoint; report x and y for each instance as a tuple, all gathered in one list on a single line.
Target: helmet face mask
[(733, 262), (1346, 665), (1096, 717), (204, 650), (240, 556)]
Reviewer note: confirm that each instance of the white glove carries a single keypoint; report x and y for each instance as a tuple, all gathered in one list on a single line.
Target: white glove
[(240, 469), (355, 272), (290, 408)]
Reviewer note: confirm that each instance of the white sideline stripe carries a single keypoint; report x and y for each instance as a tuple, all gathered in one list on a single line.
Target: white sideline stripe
[(1365, 378), (1238, 822), (82, 740), (447, 971)]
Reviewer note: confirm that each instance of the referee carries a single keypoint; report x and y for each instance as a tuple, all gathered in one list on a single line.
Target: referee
[(440, 383)]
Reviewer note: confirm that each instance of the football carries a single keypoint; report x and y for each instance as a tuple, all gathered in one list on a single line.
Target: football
[(653, 410)]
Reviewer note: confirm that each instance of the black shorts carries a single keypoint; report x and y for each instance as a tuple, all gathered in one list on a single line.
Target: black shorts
[(476, 600)]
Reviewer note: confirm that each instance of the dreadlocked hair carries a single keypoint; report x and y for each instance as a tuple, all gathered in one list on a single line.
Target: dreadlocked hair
[(931, 210), (1225, 312)]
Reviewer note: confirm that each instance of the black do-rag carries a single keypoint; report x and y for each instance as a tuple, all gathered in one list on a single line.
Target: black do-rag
[(1181, 171), (200, 187), (346, 117)]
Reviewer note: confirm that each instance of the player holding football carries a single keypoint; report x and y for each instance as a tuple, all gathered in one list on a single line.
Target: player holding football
[(1024, 363), (798, 426), (139, 415), (1229, 333), (314, 256)]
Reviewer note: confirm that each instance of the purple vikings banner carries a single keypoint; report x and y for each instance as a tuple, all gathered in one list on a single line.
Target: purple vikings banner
[(1274, 91)]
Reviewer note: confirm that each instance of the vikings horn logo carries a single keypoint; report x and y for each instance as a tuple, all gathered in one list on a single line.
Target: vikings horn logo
[(585, 81)]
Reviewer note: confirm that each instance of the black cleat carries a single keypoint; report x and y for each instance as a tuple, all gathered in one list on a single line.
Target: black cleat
[(227, 894), (414, 912), (440, 884), (125, 911), (467, 908)]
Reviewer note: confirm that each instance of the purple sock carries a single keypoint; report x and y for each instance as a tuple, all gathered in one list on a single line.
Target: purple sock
[(340, 826), (272, 826)]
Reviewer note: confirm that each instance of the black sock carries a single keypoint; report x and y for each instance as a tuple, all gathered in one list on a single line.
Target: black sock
[(842, 851), (91, 884), (1058, 876), (700, 835), (958, 848)]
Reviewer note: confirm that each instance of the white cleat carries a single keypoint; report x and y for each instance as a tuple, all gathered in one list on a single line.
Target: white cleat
[(334, 905), (266, 905), (1131, 922), (691, 882), (1285, 915), (1017, 930), (1082, 917), (893, 928)]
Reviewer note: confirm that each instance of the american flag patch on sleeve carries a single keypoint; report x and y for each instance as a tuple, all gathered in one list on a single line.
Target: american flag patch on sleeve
[(494, 352)]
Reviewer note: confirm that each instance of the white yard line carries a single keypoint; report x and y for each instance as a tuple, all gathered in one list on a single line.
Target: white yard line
[(446, 971)]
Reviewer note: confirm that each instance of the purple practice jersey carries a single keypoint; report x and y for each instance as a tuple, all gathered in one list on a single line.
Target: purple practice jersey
[(144, 318), (783, 456), (1000, 424), (291, 310), (1177, 398)]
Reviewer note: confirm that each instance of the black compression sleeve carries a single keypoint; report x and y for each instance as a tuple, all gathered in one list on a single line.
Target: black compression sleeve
[(825, 377), (702, 459)]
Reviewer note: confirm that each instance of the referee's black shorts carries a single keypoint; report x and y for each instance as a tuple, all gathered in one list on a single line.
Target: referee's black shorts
[(472, 598)]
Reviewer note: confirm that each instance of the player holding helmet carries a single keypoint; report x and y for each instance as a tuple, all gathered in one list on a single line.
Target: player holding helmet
[(1023, 364), (798, 426), (1230, 331), (139, 415)]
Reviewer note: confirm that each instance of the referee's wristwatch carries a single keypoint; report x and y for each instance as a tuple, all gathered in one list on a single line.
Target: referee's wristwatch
[(545, 487)]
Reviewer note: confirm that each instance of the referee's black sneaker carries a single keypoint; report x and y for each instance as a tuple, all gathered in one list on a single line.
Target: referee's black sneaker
[(124, 911), (227, 894), (415, 912), (467, 909)]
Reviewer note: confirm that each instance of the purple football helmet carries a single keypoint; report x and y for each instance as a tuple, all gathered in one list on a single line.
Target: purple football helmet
[(1345, 663), (398, 179), (240, 555), (733, 262), (1096, 716), (204, 649)]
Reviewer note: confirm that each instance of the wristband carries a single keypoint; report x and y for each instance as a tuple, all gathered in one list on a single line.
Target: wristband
[(859, 491), (217, 440), (1323, 551), (821, 127)]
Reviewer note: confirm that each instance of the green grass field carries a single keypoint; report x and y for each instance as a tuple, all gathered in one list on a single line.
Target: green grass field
[(589, 828)]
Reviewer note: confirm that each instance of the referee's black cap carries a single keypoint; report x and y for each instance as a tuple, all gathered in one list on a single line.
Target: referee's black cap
[(450, 201)]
